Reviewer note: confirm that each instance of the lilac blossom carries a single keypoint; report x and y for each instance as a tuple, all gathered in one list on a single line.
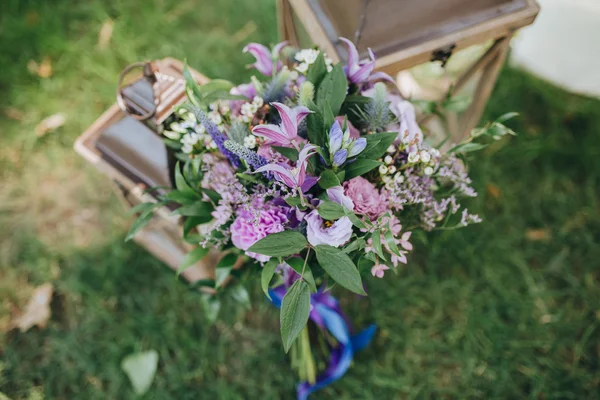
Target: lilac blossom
[(359, 71), (333, 234), (285, 134), (267, 62), (295, 178)]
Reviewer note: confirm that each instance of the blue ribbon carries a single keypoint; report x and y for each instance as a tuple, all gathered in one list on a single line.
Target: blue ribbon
[(327, 314)]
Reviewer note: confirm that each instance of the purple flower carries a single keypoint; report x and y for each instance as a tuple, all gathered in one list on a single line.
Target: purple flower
[(367, 199), (361, 71), (336, 137), (319, 231), (251, 226), (294, 178), (358, 147), (252, 158), (286, 134), (267, 62), (217, 137), (340, 157), (336, 194)]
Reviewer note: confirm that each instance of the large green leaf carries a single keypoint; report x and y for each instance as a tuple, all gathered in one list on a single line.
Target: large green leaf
[(331, 210), (197, 209), (297, 265), (360, 167), (377, 144), (317, 70), (288, 152), (340, 267), (280, 244), (333, 89), (267, 274), (328, 179), (295, 308), (192, 258)]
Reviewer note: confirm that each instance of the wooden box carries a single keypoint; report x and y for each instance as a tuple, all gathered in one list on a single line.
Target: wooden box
[(407, 33), (141, 162)]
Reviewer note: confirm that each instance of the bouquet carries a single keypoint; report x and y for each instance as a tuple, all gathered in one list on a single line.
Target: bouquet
[(311, 177)]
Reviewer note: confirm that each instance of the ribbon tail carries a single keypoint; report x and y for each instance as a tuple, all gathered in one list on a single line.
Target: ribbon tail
[(362, 339)]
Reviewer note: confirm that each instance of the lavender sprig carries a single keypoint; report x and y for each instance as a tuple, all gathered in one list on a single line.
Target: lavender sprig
[(252, 158), (217, 137)]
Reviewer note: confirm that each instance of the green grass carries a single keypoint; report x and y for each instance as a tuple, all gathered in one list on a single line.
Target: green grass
[(483, 312)]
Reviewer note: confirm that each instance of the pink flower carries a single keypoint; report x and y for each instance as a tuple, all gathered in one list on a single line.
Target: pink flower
[(251, 226), (265, 59), (334, 234), (378, 270), (367, 199), (294, 178), (286, 133), (359, 71)]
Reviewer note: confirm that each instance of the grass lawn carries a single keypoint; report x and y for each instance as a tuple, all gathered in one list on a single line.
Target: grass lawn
[(506, 309)]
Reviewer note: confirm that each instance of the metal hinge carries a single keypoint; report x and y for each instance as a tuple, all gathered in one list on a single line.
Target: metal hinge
[(443, 54)]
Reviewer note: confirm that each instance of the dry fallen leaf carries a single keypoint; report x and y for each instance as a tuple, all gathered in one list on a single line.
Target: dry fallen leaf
[(105, 34), (37, 311), (14, 113), (45, 68), (494, 191), (49, 124), (536, 235)]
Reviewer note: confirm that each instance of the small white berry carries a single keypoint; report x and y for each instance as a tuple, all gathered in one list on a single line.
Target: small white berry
[(428, 171), (392, 169), (389, 185), (391, 149), (425, 156), (413, 157), (388, 160), (383, 169), (399, 177)]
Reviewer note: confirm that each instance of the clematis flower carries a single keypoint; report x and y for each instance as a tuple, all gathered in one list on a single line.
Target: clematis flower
[(267, 61), (285, 134), (294, 178), (333, 234), (359, 71)]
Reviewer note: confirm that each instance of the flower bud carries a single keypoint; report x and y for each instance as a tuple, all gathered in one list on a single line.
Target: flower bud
[(358, 147), (340, 157)]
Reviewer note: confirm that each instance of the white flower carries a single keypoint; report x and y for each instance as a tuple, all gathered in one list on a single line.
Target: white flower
[(399, 177), (187, 148), (392, 169), (215, 118), (302, 68), (383, 169), (413, 157), (435, 152), (200, 129), (250, 141), (258, 101), (389, 185), (391, 149), (329, 68), (425, 156), (388, 160), (245, 118), (428, 171)]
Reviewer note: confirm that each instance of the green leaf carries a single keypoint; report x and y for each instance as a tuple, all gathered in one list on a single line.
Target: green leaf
[(457, 103), (144, 208), (376, 238), (211, 306), (360, 167), (315, 128), (328, 116), (197, 209), (357, 222), (183, 197), (333, 89), (267, 274), (328, 179), (247, 177), (240, 294), (139, 224), (180, 182), (192, 258), (223, 269), (357, 244), (331, 210), (212, 195), (140, 369), (295, 308), (467, 147), (288, 152), (340, 267), (280, 244), (297, 265), (377, 144), (505, 117), (317, 71), (391, 242)]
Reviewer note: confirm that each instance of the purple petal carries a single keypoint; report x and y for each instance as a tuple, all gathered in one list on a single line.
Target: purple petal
[(305, 153), (335, 137), (340, 157), (264, 62), (281, 173), (288, 120), (272, 132), (352, 54), (359, 146), (381, 76), (309, 182), (301, 113), (362, 73), (337, 195), (278, 47)]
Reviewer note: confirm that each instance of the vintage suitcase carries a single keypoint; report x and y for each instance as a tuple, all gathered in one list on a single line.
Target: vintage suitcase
[(131, 153), (407, 33)]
